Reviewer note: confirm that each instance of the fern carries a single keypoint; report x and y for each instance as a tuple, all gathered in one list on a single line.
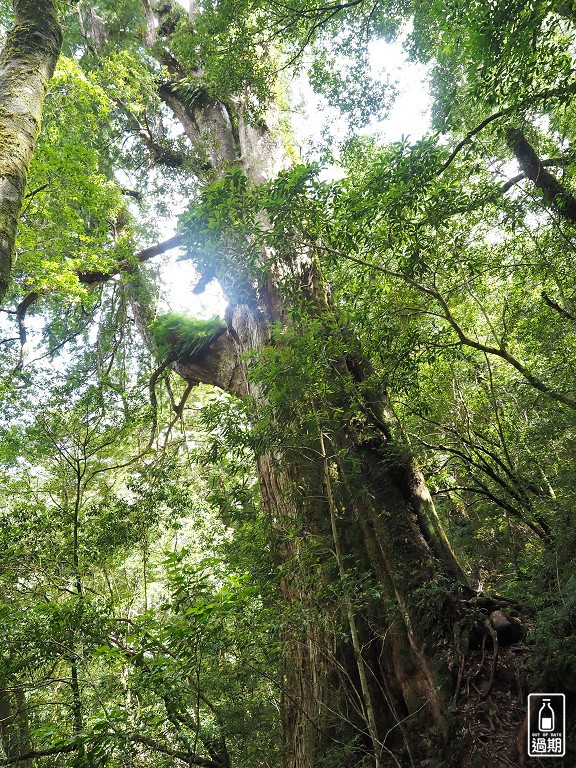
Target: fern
[(180, 337)]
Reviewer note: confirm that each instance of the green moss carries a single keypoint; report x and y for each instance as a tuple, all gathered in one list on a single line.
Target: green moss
[(36, 32), (180, 337)]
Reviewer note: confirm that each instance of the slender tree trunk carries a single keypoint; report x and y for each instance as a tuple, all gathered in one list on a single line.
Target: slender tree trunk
[(77, 709), (27, 62)]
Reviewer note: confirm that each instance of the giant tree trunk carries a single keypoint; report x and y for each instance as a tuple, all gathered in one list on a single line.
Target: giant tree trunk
[(345, 503), (27, 62), (374, 596), (381, 629)]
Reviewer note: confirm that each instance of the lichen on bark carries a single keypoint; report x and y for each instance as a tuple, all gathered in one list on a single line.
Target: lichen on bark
[(27, 62)]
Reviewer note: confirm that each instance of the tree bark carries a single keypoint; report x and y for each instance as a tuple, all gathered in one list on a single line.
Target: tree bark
[(27, 62), (14, 726), (554, 194)]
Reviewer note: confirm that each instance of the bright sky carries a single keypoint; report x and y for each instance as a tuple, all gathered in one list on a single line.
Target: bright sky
[(410, 117)]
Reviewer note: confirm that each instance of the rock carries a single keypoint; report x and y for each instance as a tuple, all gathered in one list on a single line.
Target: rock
[(508, 628), (499, 621)]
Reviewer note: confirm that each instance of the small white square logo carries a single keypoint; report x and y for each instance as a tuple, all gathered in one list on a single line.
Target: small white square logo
[(546, 725)]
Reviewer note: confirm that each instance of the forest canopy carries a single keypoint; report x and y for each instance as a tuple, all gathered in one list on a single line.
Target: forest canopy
[(333, 527)]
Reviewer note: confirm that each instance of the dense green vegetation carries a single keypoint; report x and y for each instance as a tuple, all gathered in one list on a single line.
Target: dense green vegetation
[(335, 527)]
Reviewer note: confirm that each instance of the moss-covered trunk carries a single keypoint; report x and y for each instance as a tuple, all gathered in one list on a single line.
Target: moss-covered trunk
[(27, 62), (382, 632)]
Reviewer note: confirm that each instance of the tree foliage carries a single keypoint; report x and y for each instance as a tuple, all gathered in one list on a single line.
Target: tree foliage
[(185, 577)]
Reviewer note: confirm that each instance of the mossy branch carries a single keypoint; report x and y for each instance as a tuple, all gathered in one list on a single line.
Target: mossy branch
[(181, 338)]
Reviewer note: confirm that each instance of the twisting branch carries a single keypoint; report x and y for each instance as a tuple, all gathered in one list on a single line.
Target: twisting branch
[(557, 162), (540, 527), (464, 339), (186, 757), (153, 427), (470, 135), (525, 103)]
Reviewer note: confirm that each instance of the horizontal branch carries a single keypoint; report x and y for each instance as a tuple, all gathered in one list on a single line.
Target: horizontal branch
[(92, 278), (35, 753), (164, 749), (186, 757), (156, 250)]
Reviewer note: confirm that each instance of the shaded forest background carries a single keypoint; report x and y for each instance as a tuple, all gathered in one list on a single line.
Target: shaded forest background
[(336, 526)]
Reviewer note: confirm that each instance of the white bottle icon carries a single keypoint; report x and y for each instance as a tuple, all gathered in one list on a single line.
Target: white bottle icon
[(546, 717)]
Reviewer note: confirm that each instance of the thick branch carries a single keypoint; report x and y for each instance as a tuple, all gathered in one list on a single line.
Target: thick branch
[(132, 193), (21, 310), (216, 363), (207, 124), (554, 305), (534, 98), (554, 193), (39, 753), (553, 161), (92, 278)]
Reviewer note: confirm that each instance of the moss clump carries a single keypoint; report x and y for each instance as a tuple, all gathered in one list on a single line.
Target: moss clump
[(179, 337)]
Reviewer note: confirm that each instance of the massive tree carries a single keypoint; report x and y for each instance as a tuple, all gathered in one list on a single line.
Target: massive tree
[(344, 497)]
